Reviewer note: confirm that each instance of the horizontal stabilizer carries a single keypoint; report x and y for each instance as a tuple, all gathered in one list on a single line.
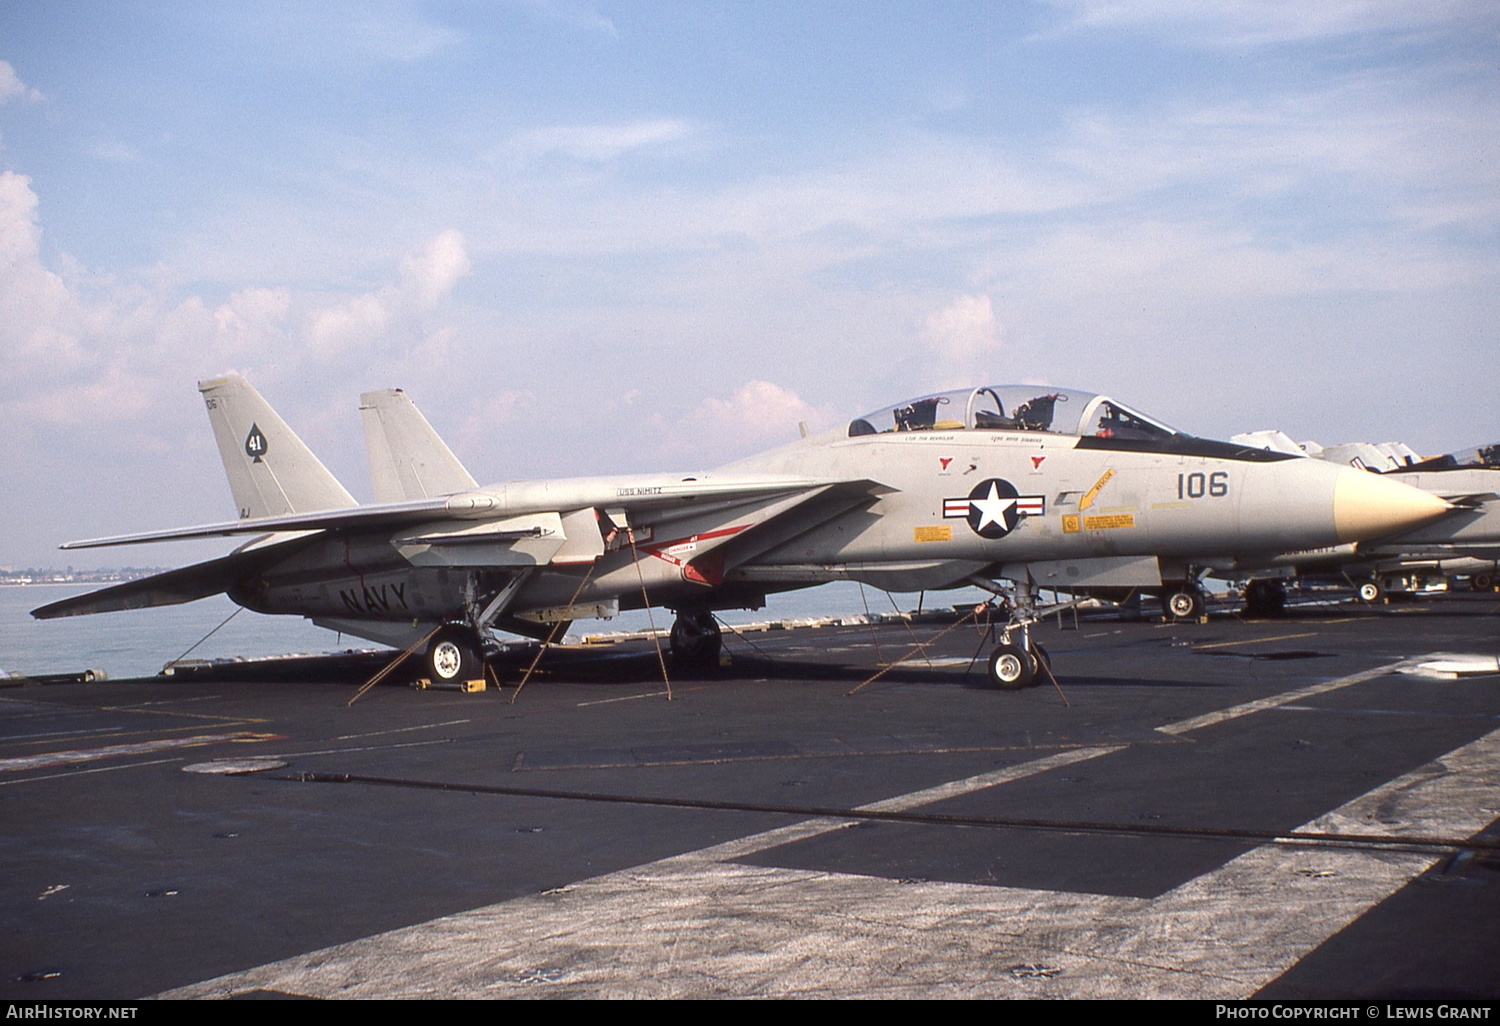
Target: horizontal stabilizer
[(186, 584), (371, 517)]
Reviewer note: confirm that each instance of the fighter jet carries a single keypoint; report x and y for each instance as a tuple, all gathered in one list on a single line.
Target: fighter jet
[(1040, 487), (1466, 543)]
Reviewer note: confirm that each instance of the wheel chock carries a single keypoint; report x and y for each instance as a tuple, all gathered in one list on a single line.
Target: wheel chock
[(468, 687)]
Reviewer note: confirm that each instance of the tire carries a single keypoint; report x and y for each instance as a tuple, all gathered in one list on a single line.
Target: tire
[(1043, 663), (453, 655), (1264, 598), (1481, 582), (1011, 667), (1369, 591), (696, 639), (1186, 604)]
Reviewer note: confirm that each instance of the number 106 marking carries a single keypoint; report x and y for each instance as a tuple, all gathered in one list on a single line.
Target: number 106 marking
[(1197, 485)]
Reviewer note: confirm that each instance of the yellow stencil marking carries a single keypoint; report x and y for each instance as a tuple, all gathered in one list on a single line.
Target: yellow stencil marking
[(1088, 496), (1109, 523), (1070, 524), (931, 534)]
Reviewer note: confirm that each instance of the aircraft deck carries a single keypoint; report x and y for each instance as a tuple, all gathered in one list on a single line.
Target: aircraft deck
[(768, 833)]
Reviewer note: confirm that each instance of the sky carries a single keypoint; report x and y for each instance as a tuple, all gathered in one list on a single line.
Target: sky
[(598, 237)]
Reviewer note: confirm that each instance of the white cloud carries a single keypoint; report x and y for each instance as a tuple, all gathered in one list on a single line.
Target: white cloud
[(759, 413), (253, 311), (11, 86), (965, 337), (1186, 260), (598, 143), (355, 322), (75, 356), (1233, 23), (573, 15), (1363, 138), (484, 428), (114, 152), (427, 278), (402, 35), (38, 318)]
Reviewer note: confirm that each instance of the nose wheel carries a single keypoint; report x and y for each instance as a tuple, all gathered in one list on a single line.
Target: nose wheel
[(1017, 661), (1013, 667)]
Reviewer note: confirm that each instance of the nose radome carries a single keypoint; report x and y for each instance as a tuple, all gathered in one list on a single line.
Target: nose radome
[(1367, 505)]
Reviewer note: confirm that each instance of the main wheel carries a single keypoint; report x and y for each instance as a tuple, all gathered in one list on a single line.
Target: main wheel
[(1186, 604), (696, 639), (1011, 667), (1369, 591), (1264, 598), (1481, 582), (453, 655)]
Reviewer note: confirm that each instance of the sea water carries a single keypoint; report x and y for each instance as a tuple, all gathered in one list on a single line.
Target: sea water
[(139, 642)]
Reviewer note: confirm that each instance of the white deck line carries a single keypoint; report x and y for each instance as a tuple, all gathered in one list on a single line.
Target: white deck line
[(697, 925), (1295, 695)]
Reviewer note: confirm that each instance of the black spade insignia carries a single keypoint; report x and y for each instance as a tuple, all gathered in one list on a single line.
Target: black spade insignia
[(992, 508), (255, 444)]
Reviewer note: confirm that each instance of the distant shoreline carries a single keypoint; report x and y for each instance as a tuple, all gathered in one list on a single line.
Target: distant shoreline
[(73, 583), (58, 584)]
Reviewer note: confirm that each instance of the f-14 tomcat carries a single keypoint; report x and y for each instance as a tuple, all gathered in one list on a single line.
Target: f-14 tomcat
[(1036, 486), (1464, 543)]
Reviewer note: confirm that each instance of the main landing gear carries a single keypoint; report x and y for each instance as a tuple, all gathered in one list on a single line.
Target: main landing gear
[(696, 639), (1184, 603), (454, 654), (1264, 597)]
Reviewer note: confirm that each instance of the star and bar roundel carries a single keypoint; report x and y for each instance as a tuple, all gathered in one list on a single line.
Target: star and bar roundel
[(994, 508)]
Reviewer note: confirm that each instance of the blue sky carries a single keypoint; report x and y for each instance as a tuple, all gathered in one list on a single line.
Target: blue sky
[(600, 237)]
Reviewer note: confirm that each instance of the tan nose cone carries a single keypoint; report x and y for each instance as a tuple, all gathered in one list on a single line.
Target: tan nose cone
[(1366, 505)]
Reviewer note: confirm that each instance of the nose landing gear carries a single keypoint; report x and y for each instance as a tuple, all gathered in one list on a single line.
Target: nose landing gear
[(1017, 661), (1013, 667)]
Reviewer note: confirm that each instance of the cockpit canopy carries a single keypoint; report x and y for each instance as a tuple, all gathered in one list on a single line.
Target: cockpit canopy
[(1483, 457), (1014, 408)]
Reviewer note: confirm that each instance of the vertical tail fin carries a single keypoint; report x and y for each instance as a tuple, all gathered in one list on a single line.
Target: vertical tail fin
[(407, 458), (271, 472)]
